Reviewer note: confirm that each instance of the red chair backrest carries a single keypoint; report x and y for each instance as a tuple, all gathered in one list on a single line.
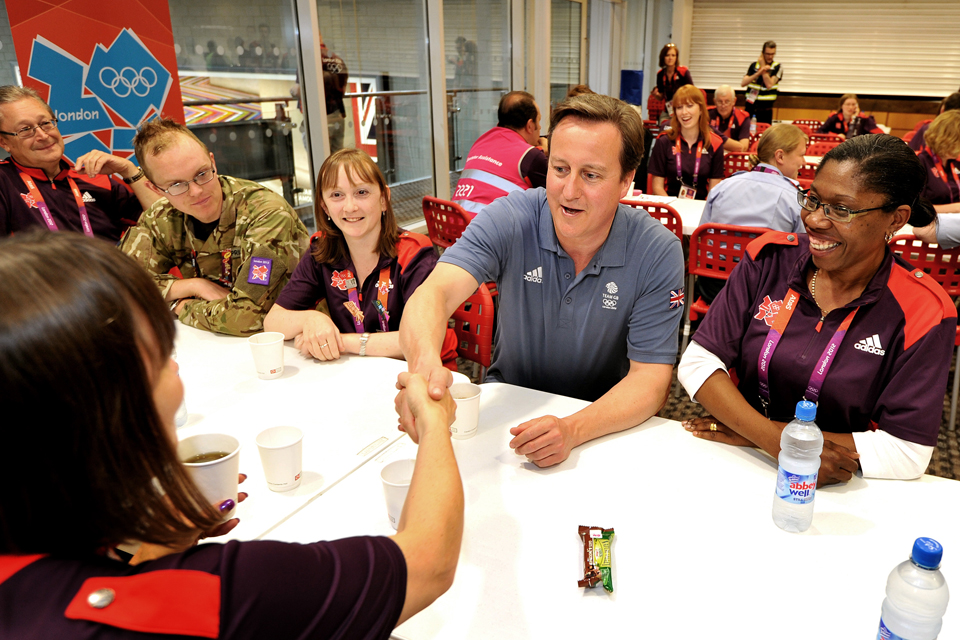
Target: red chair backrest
[(715, 249), (754, 142), (943, 265), (804, 127), (667, 215), (445, 221), (805, 183), (808, 170), (762, 126), (652, 127), (655, 107), (734, 161), (821, 147), (473, 324), (812, 124), (825, 137)]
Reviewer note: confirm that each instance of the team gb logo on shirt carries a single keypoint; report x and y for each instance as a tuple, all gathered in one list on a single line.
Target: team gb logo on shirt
[(610, 298)]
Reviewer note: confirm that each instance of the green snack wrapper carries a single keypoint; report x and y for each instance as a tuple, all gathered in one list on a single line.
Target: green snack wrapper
[(597, 557)]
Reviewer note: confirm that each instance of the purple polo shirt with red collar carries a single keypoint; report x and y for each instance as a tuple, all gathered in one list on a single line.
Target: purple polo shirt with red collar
[(943, 182), (111, 206), (890, 371), (312, 282), (663, 163), (736, 126)]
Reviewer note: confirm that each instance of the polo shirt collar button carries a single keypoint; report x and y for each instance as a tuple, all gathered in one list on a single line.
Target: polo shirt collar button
[(101, 598), (919, 274), (568, 300)]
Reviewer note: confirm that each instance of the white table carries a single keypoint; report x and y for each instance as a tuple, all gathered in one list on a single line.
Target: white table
[(690, 210), (696, 553), (344, 408)]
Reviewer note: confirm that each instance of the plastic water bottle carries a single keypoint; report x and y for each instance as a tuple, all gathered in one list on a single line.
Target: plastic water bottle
[(800, 445), (753, 126), (917, 596)]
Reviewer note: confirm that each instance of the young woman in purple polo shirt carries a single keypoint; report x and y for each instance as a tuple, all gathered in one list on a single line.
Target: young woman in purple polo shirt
[(847, 121), (361, 263), (90, 462), (939, 157), (834, 317)]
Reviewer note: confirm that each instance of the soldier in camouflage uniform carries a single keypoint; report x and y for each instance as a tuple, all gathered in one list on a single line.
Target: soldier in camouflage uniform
[(234, 241)]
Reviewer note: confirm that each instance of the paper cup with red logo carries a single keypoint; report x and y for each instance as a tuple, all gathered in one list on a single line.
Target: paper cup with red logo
[(396, 477), (217, 478), (281, 452), (467, 397), (267, 348)]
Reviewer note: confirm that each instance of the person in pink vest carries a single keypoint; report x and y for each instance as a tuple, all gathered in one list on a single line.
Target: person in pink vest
[(505, 158)]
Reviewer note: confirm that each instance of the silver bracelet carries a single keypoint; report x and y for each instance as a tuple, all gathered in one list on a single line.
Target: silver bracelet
[(363, 343)]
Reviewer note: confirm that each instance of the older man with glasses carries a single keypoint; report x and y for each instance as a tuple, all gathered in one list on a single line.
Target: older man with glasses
[(234, 241), (731, 122), (39, 188)]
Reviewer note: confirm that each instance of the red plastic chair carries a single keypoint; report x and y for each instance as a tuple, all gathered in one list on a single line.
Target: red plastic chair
[(667, 215), (825, 137), (473, 323), (715, 249), (805, 128), (812, 124), (754, 142), (734, 161), (655, 107), (821, 147), (943, 265), (808, 170), (762, 126), (445, 221), (652, 126)]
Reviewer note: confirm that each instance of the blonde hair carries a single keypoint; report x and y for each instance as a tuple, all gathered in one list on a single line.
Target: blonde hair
[(780, 136), (689, 94), (157, 135), (943, 135)]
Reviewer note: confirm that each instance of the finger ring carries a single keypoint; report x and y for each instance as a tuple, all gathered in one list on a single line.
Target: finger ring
[(713, 426), (324, 344)]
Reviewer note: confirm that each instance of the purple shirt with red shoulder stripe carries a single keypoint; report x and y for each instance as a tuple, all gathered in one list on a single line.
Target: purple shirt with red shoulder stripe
[(736, 126), (312, 282), (350, 588), (890, 372), (943, 187), (663, 163), (836, 124), (112, 206)]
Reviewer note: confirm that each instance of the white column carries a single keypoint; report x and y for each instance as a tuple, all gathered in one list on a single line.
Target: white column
[(438, 98), (311, 86)]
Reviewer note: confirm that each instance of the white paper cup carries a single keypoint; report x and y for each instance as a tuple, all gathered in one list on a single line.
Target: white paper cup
[(217, 479), (396, 478), (281, 452), (267, 351), (467, 397)]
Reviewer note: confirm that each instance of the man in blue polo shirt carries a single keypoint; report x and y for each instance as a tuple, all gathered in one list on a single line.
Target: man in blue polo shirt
[(590, 291)]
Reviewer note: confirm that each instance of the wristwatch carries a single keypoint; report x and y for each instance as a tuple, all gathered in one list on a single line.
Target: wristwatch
[(363, 343), (137, 176)]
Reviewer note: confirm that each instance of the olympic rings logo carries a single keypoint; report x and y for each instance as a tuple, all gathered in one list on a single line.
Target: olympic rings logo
[(129, 81)]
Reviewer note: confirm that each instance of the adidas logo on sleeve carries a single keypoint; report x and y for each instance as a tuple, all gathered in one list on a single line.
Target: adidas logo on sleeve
[(535, 275), (871, 345)]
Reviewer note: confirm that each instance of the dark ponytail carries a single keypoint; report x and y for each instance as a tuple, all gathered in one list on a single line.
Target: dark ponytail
[(922, 213)]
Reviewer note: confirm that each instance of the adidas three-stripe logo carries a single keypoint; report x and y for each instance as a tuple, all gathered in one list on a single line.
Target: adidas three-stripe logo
[(536, 275), (87, 197), (871, 345)]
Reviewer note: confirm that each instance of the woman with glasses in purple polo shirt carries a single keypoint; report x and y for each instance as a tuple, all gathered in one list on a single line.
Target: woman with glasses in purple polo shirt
[(832, 316)]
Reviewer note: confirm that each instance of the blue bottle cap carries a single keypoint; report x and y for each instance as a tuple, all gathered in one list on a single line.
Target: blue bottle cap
[(806, 411), (927, 553)]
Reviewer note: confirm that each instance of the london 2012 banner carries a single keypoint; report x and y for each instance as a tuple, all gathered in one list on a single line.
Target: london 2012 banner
[(104, 66)]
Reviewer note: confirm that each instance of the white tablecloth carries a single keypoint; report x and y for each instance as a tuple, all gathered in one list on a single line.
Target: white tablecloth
[(689, 210)]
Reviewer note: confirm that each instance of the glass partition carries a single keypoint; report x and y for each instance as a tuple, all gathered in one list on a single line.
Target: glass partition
[(567, 34)]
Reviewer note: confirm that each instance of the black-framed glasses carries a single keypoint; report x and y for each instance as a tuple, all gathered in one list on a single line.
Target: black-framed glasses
[(28, 132), (180, 188), (835, 212)]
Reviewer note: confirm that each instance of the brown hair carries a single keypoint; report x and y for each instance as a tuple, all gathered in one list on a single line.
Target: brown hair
[(684, 95), (780, 136), (331, 247), (943, 135), (579, 90), (769, 44), (594, 107), (78, 319), (663, 54), (10, 93), (844, 98), (157, 135)]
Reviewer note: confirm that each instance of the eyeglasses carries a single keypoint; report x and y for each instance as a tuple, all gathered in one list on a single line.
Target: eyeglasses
[(180, 188), (835, 212), (28, 132)]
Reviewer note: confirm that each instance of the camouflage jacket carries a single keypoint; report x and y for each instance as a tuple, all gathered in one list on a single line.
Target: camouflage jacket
[(252, 252)]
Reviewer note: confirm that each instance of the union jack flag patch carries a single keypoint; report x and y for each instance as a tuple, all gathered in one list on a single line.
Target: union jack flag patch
[(676, 298)]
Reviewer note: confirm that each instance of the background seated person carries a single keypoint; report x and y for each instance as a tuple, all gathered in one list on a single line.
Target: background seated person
[(670, 77), (731, 122), (687, 159), (950, 103), (234, 241), (847, 121), (859, 332), (360, 262), (88, 357), (587, 286), (764, 197), (39, 188), (939, 157), (505, 158)]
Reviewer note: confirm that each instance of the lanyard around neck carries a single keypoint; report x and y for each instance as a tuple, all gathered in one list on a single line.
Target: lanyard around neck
[(383, 293), (815, 385), (678, 154), (45, 210), (941, 173)]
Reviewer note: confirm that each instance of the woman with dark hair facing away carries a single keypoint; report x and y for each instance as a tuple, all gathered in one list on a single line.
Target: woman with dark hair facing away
[(833, 317), (361, 263), (687, 160), (766, 196), (85, 357), (847, 121), (671, 75)]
